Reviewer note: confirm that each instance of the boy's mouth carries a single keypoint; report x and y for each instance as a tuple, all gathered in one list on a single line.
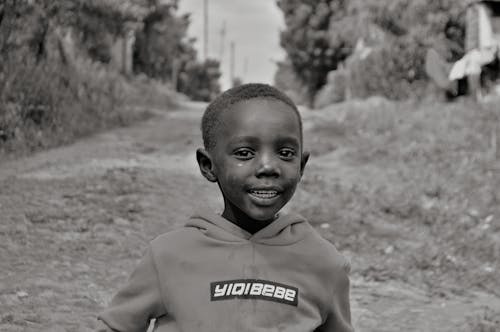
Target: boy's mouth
[(264, 194)]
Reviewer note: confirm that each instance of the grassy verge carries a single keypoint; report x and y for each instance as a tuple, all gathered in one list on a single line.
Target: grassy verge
[(48, 104), (412, 190)]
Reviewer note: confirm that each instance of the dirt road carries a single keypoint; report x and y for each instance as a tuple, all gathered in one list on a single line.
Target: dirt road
[(75, 220)]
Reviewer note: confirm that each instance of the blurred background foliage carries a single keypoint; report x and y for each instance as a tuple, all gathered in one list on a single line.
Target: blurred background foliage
[(336, 50), (57, 77), (375, 47)]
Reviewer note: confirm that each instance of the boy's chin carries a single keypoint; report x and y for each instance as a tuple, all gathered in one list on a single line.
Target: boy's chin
[(264, 216)]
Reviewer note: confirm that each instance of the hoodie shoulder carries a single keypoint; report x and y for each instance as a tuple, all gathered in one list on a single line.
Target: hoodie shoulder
[(330, 254), (171, 240)]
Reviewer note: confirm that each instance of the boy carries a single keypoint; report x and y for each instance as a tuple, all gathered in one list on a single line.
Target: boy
[(251, 268)]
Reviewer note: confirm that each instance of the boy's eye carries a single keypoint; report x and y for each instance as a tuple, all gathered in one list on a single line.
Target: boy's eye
[(287, 153), (243, 153)]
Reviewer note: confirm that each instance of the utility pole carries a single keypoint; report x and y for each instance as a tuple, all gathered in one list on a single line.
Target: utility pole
[(175, 73), (245, 68), (205, 29), (222, 40), (232, 63)]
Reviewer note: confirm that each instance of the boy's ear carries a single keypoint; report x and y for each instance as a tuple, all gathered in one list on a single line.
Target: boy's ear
[(206, 164), (303, 161)]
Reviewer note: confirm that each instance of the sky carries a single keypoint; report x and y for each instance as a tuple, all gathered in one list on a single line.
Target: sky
[(254, 27)]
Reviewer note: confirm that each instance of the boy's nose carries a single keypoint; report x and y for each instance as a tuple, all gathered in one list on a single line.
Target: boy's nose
[(267, 167)]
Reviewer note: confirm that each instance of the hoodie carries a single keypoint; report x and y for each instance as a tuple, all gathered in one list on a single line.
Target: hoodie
[(212, 275)]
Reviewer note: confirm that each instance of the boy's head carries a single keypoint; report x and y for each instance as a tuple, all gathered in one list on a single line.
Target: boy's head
[(253, 149), (212, 116)]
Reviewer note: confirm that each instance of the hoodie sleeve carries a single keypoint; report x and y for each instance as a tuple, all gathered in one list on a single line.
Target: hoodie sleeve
[(138, 302), (338, 317)]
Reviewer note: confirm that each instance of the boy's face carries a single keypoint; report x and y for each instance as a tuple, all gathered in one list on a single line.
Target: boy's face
[(257, 160)]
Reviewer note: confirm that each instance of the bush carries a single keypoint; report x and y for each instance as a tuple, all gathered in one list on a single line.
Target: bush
[(321, 35), (200, 81), (440, 22), (394, 70), (334, 91), (48, 95), (142, 90), (47, 103), (287, 81), (308, 41)]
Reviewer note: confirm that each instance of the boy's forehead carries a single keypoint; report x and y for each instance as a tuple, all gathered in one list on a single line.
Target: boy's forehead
[(260, 110)]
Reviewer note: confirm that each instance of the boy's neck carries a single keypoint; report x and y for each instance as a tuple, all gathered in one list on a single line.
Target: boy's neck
[(244, 222)]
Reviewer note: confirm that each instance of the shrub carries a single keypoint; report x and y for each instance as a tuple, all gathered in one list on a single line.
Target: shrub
[(47, 103), (394, 70), (287, 80), (49, 96), (334, 91), (321, 35), (200, 81), (308, 40)]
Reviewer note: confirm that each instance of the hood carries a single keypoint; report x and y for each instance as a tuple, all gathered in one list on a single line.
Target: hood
[(285, 230)]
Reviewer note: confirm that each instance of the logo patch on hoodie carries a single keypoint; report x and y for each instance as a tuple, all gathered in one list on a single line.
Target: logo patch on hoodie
[(254, 289)]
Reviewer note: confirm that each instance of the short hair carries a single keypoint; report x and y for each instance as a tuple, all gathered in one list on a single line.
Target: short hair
[(224, 101)]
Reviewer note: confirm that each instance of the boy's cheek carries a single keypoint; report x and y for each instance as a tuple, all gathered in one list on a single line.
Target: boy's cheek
[(230, 183), (290, 186)]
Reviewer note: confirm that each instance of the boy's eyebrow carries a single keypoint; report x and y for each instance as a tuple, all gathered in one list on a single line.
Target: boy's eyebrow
[(288, 140)]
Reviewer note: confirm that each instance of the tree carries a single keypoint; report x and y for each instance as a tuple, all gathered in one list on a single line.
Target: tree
[(164, 51), (307, 40), (200, 81), (396, 67), (321, 34), (162, 40), (44, 99), (440, 23)]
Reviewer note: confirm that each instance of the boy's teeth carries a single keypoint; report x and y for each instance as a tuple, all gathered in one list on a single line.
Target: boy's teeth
[(264, 193)]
